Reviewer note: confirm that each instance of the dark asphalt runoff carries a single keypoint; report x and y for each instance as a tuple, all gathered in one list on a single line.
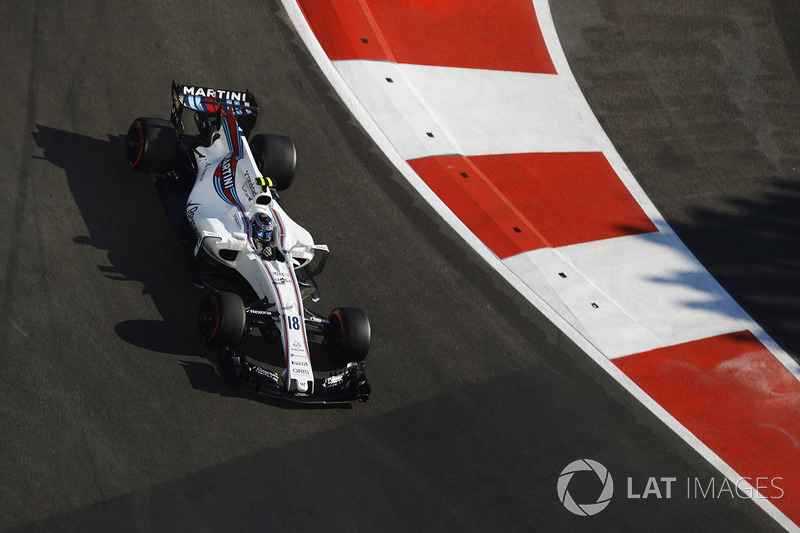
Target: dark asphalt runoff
[(112, 417)]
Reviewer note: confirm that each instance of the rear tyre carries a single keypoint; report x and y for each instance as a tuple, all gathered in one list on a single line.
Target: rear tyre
[(276, 158), (221, 320), (151, 145), (348, 336)]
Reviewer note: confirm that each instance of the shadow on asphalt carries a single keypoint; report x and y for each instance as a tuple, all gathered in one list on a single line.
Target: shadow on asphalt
[(123, 217), (749, 245), (754, 255), (368, 479)]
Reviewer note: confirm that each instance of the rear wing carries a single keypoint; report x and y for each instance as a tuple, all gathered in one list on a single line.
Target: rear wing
[(213, 102)]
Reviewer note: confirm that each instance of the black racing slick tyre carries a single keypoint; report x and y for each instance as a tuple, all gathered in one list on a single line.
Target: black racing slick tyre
[(221, 320), (276, 158), (348, 335), (151, 145)]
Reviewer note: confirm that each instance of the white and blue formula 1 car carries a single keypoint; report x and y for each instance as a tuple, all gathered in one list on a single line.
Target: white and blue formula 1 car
[(238, 236)]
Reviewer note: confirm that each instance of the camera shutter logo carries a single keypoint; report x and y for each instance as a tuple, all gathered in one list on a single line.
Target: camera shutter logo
[(585, 509)]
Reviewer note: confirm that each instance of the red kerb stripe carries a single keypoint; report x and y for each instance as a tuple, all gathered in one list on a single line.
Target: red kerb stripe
[(484, 34), (735, 396), (520, 202)]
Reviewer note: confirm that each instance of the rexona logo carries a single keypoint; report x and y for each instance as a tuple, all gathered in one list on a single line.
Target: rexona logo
[(591, 508)]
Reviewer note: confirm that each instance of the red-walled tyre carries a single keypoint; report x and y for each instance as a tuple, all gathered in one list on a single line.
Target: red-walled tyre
[(221, 320), (151, 145), (348, 336)]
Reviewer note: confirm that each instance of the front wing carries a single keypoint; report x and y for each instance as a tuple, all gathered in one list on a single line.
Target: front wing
[(349, 386)]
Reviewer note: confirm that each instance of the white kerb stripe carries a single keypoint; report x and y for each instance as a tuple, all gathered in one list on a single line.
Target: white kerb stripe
[(428, 111)]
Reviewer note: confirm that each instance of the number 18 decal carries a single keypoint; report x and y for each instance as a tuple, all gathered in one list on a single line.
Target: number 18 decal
[(293, 322)]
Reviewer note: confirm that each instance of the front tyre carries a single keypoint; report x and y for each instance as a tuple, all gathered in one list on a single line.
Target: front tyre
[(221, 320), (348, 337), (276, 158), (151, 145)]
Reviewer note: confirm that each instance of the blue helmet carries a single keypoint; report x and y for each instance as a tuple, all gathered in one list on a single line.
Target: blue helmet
[(262, 227)]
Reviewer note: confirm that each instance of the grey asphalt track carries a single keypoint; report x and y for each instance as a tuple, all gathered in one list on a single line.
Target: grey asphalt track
[(111, 413)]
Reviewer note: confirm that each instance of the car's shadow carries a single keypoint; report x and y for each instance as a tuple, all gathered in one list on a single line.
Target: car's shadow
[(124, 216)]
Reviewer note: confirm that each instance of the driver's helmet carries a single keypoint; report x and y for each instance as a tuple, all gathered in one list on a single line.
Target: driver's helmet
[(262, 227)]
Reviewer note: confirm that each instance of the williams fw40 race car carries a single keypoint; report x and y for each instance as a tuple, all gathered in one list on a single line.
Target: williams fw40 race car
[(219, 186)]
